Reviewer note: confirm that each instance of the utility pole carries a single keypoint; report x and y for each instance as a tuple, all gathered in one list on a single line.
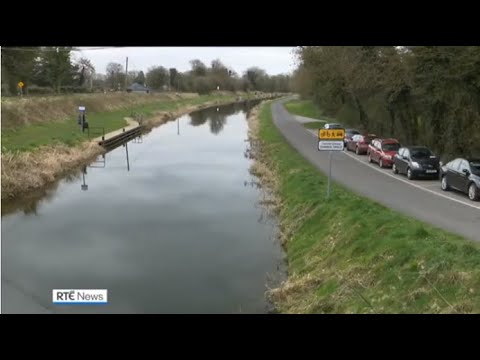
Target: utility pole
[(126, 74)]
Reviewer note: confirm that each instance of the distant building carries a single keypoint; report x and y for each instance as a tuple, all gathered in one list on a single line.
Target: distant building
[(138, 88)]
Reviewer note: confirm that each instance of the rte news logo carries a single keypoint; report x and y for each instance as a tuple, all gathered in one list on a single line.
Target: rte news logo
[(80, 297)]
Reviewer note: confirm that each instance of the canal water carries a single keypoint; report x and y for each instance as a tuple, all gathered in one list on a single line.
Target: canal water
[(167, 223)]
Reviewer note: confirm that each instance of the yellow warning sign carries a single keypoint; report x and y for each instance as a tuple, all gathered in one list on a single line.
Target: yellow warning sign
[(21, 84), (331, 134)]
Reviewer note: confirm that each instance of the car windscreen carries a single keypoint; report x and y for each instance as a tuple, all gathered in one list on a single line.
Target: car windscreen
[(391, 147), (420, 153)]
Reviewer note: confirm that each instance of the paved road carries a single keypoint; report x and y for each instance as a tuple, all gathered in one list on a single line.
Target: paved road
[(422, 199)]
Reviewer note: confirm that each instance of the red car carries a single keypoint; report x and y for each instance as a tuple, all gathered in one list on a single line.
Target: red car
[(382, 151), (359, 143)]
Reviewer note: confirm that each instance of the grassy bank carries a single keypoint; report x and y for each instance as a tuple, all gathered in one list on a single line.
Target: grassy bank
[(314, 125), (305, 108), (352, 255), (40, 152)]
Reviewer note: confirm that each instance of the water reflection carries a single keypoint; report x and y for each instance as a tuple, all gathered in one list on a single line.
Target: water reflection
[(217, 116), (84, 186), (101, 161), (30, 203)]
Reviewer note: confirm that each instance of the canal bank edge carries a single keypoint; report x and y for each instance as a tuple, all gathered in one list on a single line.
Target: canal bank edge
[(30, 171), (342, 261)]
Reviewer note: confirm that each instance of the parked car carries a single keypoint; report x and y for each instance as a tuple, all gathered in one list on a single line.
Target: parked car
[(333, 126), (359, 143), (416, 161), (382, 151), (462, 175), (349, 134)]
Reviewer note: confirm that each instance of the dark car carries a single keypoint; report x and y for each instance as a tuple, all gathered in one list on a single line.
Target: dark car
[(462, 175), (349, 134), (416, 161), (359, 143), (333, 126), (382, 151)]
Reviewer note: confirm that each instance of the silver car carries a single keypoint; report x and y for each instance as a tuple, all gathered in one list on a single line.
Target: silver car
[(333, 126)]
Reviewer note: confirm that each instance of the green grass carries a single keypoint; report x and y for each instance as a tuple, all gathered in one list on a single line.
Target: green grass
[(314, 125), (352, 255), (304, 108), (29, 137)]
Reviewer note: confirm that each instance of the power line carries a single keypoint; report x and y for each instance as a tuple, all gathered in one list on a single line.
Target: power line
[(40, 48)]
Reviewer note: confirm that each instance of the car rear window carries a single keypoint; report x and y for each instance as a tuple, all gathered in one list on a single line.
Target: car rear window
[(391, 147), (475, 166), (420, 153)]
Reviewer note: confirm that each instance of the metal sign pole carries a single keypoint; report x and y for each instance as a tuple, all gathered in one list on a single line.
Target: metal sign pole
[(329, 173), (330, 140)]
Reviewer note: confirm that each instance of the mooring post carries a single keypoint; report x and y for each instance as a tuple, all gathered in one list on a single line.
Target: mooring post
[(128, 162)]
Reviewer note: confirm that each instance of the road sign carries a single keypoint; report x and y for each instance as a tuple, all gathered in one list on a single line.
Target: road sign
[(331, 134), (330, 140), (330, 145), (81, 108), (21, 84)]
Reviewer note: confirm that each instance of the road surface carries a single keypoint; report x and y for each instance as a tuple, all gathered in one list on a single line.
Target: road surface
[(422, 199)]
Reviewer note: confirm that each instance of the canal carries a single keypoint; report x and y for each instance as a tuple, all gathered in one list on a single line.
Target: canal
[(168, 223)]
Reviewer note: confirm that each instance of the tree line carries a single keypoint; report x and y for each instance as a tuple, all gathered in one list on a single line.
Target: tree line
[(422, 95), (48, 70)]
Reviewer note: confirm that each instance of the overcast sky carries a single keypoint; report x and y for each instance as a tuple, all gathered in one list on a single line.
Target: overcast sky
[(274, 60)]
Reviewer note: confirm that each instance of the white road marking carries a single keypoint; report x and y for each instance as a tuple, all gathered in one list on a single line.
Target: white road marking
[(403, 180)]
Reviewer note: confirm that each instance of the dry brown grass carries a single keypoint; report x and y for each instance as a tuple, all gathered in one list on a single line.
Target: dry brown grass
[(18, 112), (26, 171), (261, 168)]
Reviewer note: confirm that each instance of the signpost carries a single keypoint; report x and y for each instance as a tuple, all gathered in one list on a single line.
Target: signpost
[(330, 140), (20, 87), (82, 121)]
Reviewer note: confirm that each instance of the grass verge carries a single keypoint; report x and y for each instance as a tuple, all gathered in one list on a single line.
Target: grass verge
[(305, 108), (352, 255), (314, 125)]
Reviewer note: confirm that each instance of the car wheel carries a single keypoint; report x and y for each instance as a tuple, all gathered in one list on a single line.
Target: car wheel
[(445, 186), (380, 163), (473, 193), (357, 151), (410, 174), (394, 169)]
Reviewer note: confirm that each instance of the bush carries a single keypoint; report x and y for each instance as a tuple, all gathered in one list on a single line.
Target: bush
[(202, 85), (5, 90), (74, 89), (40, 90)]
